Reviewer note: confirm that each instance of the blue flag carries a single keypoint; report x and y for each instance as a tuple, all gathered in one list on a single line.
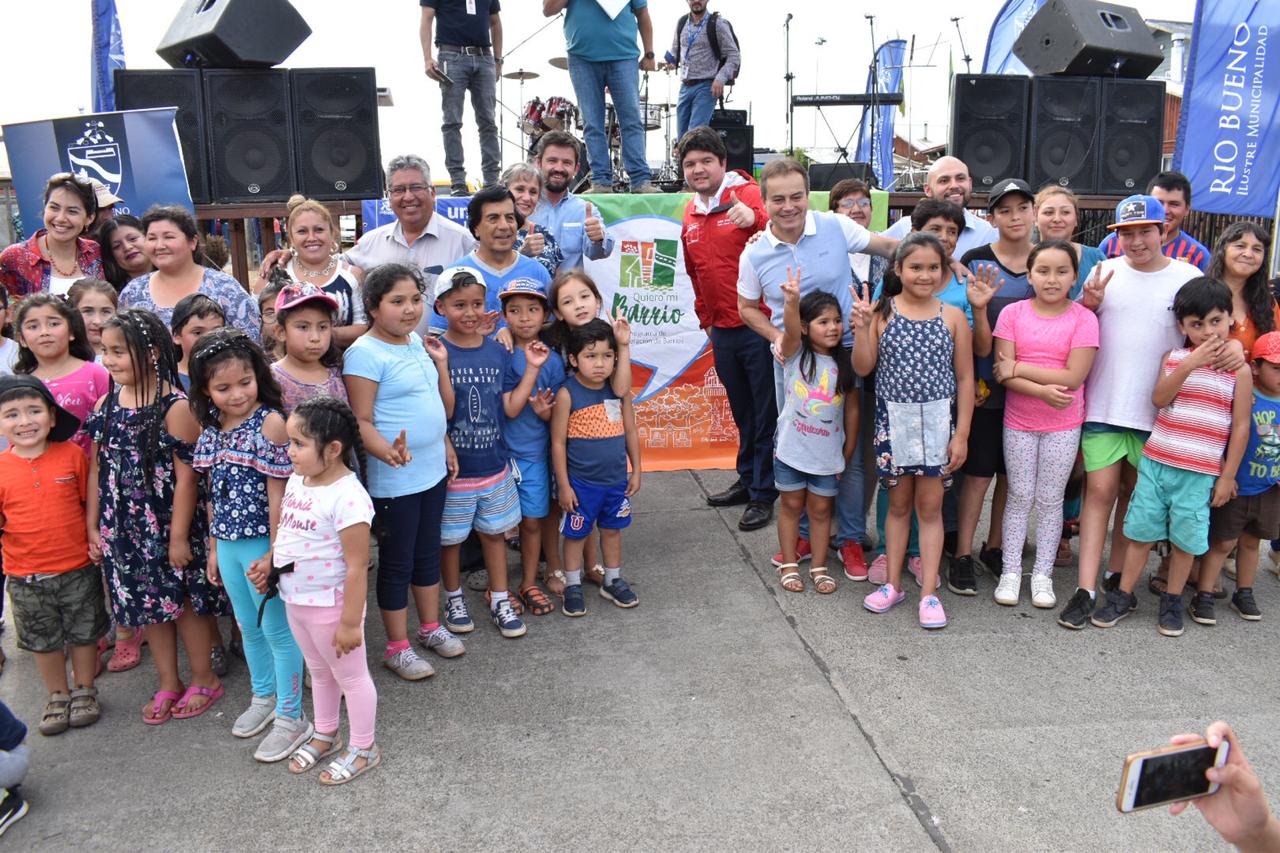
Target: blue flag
[(1010, 21), (1232, 104), (108, 54), (875, 143)]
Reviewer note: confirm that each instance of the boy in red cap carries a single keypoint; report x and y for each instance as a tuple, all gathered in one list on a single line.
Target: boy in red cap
[(1254, 513)]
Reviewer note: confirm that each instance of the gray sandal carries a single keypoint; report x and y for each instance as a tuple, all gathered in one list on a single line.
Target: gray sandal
[(56, 718), (343, 770), (85, 710), (307, 756)]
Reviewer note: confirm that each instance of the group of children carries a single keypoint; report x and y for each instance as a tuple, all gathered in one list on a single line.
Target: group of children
[(158, 477), (1139, 365)]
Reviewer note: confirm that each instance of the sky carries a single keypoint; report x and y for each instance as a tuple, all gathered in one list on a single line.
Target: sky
[(47, 82)]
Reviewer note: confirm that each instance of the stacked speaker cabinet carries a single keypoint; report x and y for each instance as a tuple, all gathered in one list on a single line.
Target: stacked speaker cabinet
[(824, 176), (1064, 132), (335, 131), (989, 125), (137, 90), (250, 122), (739, 138), (1129, 137)]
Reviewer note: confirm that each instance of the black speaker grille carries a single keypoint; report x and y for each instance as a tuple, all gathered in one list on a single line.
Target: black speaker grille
[(250, 135), (335, 120), (989, 125), (1064, 132), (739, 143), (137, 90), (1130, 141)]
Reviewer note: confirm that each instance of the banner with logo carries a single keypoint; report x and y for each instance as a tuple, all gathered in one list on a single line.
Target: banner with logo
[(376, 212), (1231, 105), (134, 153), (875, 140), (1009, 23)]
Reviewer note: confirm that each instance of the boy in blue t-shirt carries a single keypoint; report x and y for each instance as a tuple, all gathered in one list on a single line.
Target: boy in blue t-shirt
[(534, 375), (593, 434), (482, 495), (1254, 513)]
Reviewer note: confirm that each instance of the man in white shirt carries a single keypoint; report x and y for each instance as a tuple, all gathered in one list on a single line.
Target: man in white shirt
[(949, 180)]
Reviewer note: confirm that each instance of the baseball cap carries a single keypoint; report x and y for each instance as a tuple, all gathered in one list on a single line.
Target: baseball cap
[(65, 424), (1138, 210), (445, 281), (1008, 185), (1267, 348), (104, 195), (522, 287), (297, 293)]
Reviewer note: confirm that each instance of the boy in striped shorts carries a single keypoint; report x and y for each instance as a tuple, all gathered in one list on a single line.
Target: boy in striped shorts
[(1202, 412)]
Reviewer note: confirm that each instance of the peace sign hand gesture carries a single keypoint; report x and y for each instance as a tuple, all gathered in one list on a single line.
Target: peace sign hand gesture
[(861, 313), (791, 288), (1095, 288)]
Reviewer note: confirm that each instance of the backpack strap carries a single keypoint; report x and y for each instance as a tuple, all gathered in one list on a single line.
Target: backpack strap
[(684, 19)]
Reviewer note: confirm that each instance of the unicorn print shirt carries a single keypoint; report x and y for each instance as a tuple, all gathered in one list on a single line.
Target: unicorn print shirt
[(810, 435)]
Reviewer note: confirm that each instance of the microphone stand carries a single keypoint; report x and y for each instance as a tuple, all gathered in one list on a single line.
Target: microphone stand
[(789, 78), (875, 87), (967, 58)]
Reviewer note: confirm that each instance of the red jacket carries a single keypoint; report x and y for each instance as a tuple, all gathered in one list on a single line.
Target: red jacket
[(712, 245)]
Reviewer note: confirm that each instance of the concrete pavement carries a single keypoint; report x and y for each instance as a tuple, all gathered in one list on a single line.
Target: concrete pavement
[(723, 713)]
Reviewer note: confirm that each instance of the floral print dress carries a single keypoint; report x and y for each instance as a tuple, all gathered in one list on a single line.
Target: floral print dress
[(135, 510)]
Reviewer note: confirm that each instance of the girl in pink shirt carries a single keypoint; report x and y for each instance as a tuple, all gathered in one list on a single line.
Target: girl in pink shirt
[(1044, 348)]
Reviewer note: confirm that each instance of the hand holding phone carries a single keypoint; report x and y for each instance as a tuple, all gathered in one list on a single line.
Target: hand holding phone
[(1170, 774), (1239, 810)]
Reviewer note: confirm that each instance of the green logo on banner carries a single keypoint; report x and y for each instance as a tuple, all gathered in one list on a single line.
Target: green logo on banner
[(649, 264)]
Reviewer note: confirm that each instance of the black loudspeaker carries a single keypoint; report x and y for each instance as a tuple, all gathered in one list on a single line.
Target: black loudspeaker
[(233, 34), (1064, 132), (824, 176), (989, 126), (1131, 138), (1085, 37), (137, 90), (250, 135), (335, 132), (739, 143), (728, 117)]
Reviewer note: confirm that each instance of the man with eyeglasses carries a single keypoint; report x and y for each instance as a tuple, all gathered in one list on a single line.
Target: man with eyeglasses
[(949, 180)]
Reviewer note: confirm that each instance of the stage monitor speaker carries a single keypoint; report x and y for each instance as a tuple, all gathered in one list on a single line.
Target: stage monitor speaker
[(1130, 140), (1088, 38), (726, 117), (250, 135), (1064, 132), (181, 88), (824, 176), (989, 126), (739, 143), (335, 132), (233, 34)]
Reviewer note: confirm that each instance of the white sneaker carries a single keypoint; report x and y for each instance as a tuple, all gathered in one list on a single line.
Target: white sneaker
[(1042, 591), (441, 641), (256, 718), (1009, 588), (406, 664), (286, 735)]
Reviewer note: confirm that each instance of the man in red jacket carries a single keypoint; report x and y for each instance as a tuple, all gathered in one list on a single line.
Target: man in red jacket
[(725, 211)]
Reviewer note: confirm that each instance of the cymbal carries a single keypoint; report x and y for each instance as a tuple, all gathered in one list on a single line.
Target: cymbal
[(521, 75), (561, 62)]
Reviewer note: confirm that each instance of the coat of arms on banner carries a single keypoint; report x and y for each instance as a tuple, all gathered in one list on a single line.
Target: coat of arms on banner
[(95, 154), (648, 264)]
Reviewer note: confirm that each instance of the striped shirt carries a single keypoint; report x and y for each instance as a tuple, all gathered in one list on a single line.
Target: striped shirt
[(1191, 432), (1184, 247)]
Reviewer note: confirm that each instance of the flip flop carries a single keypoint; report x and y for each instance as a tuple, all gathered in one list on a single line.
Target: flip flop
[(160, 697), (180, 711)]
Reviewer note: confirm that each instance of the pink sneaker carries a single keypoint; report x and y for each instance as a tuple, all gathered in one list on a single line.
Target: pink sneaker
[(879, 571), (855, 562), (916, 567), (803, 552), (931, 613), (884, 598)]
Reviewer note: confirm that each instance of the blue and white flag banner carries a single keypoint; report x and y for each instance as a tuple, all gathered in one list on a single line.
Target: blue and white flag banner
[(875, 144), (1009, 23), (108, 54)]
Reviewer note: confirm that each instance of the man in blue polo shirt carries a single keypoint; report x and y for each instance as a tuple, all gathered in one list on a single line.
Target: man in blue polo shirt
[(817, 245), (572, 222)]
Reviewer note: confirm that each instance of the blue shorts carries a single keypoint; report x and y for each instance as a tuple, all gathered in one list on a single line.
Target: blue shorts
[(484, 504), (533, 482), (788, 479), (1170, 503), (603, 506)]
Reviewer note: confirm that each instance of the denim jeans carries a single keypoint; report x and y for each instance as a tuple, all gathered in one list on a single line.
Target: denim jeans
[(851, 521), (694, 107), (740, 357), (622, 76), (477, 75)]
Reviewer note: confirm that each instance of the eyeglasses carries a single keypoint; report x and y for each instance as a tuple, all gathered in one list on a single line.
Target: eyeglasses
[(849, 203), (415, 189)]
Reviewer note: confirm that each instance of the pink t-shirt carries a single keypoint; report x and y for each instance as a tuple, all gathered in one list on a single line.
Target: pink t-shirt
[(78, 392), (309, 536), (1045, 342)]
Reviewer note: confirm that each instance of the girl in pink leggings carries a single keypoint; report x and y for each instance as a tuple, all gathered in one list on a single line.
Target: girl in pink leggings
[(321, 558)]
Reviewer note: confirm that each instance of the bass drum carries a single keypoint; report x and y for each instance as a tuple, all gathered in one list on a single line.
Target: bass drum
[(561, 114)]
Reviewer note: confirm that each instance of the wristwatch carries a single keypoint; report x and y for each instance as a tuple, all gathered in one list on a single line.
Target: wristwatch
[(648, 54)]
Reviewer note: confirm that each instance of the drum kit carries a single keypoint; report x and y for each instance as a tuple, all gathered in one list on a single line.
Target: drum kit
[(538, 117)]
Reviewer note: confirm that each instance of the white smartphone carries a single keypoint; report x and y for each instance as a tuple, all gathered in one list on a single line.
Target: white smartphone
[(1162, 776)]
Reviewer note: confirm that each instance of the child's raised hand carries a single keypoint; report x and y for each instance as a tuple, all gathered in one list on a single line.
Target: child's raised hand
[(536, 354), (791, 288), (621, 329), (568, 500), (1095, 288), (399, 454), (983, 285), (542, 403), (347, 638), (860, 313), (436, 349), (1057, 396), (1223, 490)]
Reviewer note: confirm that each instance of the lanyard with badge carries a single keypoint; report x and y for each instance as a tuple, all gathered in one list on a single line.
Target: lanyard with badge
[(693, 30)]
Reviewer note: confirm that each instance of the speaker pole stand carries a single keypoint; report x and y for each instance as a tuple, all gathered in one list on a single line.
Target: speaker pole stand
[(968, 60), (875, 87), (789, 78)]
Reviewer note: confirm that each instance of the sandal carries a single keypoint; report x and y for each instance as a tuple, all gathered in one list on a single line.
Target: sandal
[(790, 581), (56, 718), (556, 582), (1158, 585), (343, 770), (165, 698), (85, 710), (595, 574), (183, 710), (535, 600), (516, 604), (128, 653), (822, 582), (307, 756)]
